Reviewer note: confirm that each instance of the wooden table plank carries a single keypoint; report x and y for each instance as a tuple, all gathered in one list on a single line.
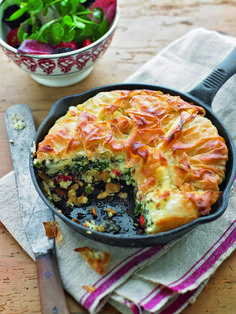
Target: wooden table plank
[(145, 28)]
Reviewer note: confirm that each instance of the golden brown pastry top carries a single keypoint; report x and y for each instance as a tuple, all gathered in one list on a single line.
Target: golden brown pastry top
[(178, 155)]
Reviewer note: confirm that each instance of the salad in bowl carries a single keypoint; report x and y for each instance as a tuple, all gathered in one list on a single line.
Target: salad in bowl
[(37, 34)]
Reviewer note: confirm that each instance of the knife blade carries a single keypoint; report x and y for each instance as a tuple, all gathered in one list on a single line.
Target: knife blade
[(21, 131)]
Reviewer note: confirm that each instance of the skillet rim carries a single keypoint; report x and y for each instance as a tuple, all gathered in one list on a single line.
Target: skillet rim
[(138, 240)]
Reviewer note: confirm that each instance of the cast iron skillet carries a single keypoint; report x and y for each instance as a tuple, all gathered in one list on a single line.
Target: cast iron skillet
[(201, 95)]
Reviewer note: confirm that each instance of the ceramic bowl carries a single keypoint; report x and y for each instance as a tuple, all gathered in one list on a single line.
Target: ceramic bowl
[(57, 70)]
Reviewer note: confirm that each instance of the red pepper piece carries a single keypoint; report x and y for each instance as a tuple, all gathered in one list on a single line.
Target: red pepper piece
[(142, 222), (63, 177), (116, 172)]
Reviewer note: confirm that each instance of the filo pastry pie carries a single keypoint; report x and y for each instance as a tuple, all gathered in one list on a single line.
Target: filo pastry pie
[(162, 145)]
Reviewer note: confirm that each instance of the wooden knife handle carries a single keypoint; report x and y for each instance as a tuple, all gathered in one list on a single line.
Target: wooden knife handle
[(52, 295)]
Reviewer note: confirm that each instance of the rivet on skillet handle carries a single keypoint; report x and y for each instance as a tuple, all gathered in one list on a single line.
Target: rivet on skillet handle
[(206, 90)]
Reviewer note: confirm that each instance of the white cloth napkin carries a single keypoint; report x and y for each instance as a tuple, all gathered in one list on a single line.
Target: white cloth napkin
[(167, 278)]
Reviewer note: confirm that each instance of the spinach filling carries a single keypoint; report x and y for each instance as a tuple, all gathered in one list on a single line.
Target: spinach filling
[(78, 170)]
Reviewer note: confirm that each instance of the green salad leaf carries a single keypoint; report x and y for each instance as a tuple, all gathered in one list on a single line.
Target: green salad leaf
[(56, 21)]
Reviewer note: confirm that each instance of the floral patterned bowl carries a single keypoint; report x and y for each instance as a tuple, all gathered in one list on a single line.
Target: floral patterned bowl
[(62, 69)]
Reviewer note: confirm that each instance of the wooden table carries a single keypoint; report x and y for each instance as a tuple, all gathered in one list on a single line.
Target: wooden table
[(144, 29)]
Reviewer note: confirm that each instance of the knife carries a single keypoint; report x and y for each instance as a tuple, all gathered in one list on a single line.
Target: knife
[(21, 131)]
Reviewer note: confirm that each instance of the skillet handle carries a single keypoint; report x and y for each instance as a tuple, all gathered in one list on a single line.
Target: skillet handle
[(205, 91)]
